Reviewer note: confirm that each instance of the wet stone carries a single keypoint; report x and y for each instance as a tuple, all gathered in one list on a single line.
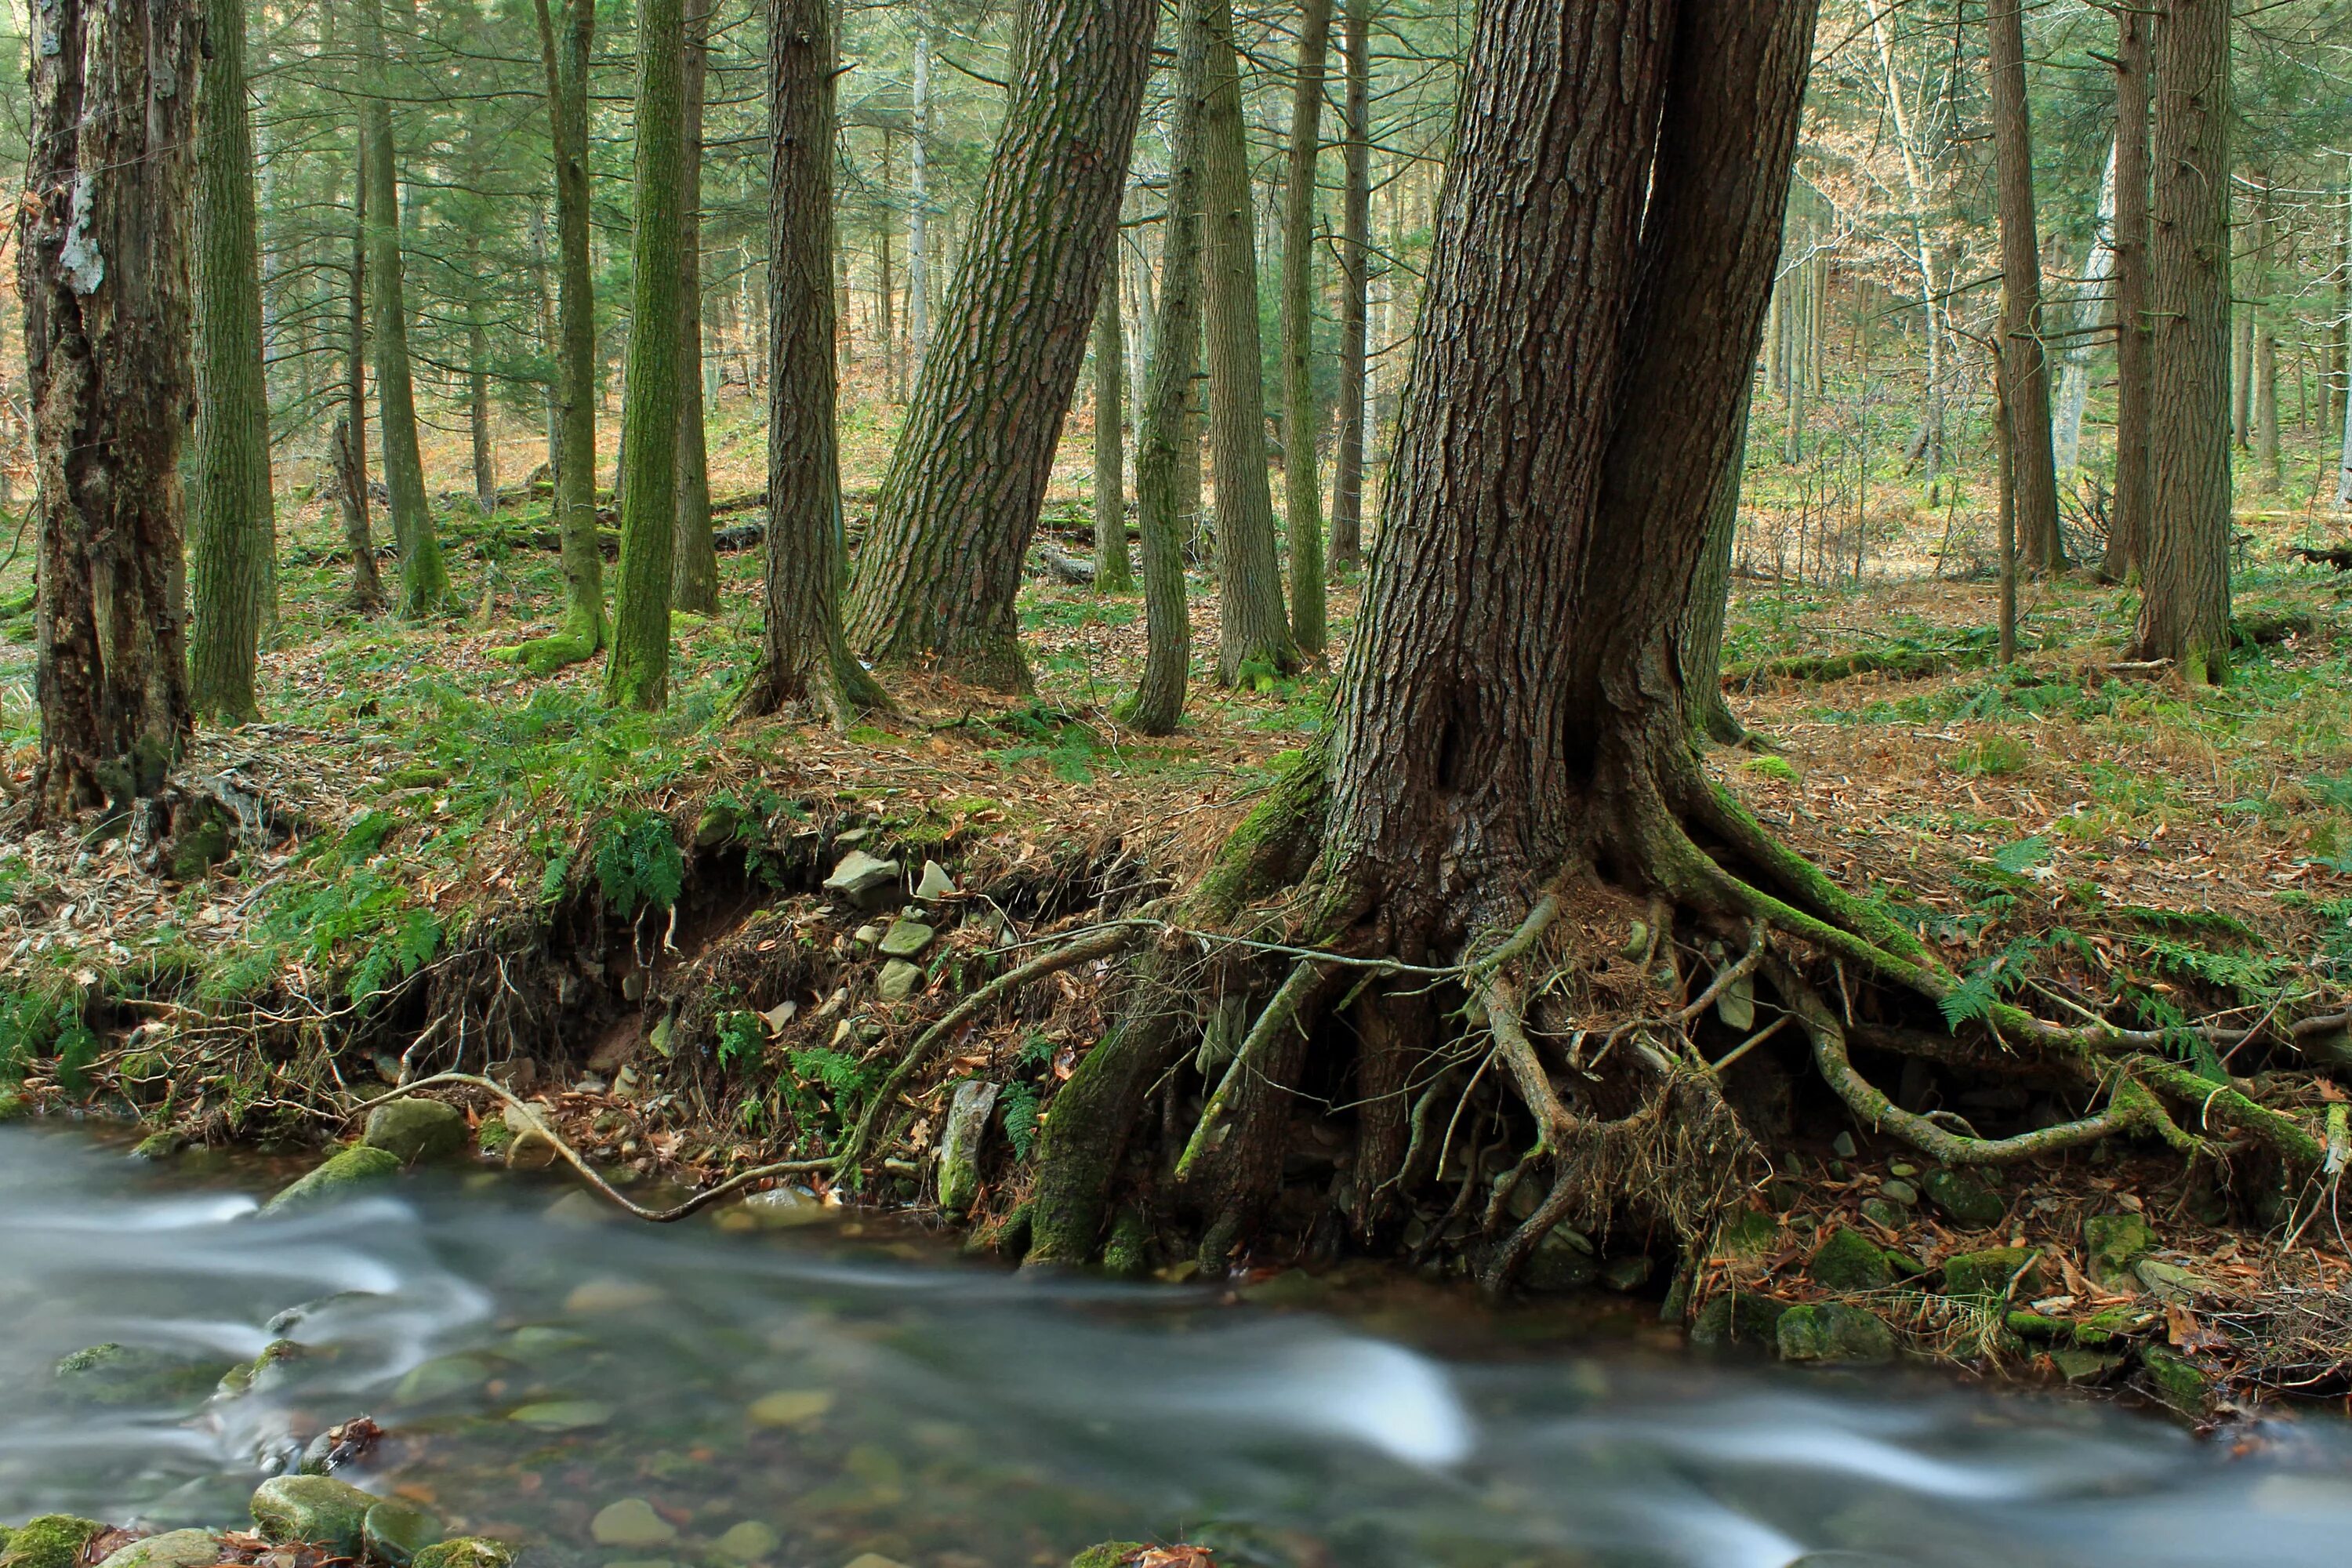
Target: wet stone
[(417, 1130), (1966, 1200), (172, 1549), (342, 1174), (747, 1542), (791, 1407), (1736, 1318), (466, 1552), (1833, 1334), (1848, 1260), (633, 1525), (963, 1142), (442, 1377), (563, 1415), (318, 1511), (396, 1532), (899, 980), (906, 939)]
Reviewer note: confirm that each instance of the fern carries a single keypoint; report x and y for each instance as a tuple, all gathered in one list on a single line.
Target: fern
[(638, 863), (1018, 1106), (742, 1040), (2022, 856)]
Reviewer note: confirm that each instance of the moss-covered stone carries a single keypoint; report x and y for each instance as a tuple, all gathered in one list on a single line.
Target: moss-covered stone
[(393, 1533), (346, 1173), (172, 1549), (1736, 1318), (113, 1375), (241, 1378), (1987, 1275), (2112, 1244), (315, 1510), (2082, 1367), (1751, 1233), (2176, 1380), (13, 1108), (1964, 1200), (415, 1130), (2035, 1326), (1849, 1260), (2115, 1324), (1830, 1333), (1128, 1254), (202, 840), (51, 1540), (466, 1552), (1109, 1555), (158, 1145)]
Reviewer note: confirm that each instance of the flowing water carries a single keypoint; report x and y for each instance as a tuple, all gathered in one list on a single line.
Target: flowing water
[(867, 1392)]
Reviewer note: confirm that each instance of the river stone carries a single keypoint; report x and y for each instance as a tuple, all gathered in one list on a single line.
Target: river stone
[(1896, 1190), (466, 1552), (50, 1541), (1562, 1261), (935, 883), (606, 1294), (1736, 1318), (866, 880), (786, 1208), (114, 1374), (354, 1167), (1967, 1201), (563, 1415), (239, 1380), (1987, 1275), (172, 1549), (396, 1532), (899, 981), (442, 1377), (905, 939), (2112, 1245), (2080, 1366), (749, 1541), (962, 1144), (417, 1130), (2176, 1379), (2170, 1282), (633, 1525), (1833, 1334), (791, 1407), (1880, 1211), (1628, 1272), (314, 1511), (873, 1560), (1848, 1260)]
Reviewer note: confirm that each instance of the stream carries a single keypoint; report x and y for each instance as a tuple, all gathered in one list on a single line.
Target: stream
[(802, 1395)]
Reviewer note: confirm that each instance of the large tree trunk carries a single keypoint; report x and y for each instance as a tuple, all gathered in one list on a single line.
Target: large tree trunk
[(2075, 359), (1355, 236), (2020, 294), (236, 520), (1700, 647), (2128, 520), (423, 576), (804, 659), (1160, 501), (1112, 574), (1302, 476), (1512, 716), (1253, 624), (637, 674), (918, 215), (102, 271), (2184, 554), (347, 448), (939, 572), (693, 573)]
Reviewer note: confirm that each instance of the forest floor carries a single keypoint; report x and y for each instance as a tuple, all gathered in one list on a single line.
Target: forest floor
[(464, 867)]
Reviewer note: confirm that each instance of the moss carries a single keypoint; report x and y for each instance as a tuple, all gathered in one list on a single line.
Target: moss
[(2106, 1328), (1989, 1274), (13, 1108), (241, 1378), (201, 846), (1109, 1555), (466, 1552), (116, 1375), (354, 1167), (2175, 1379), (1738, 1317), (52, 1540), (1848, 1260), (1127, 1254), (545, 655), (2035, 1326), (1832, 1334)]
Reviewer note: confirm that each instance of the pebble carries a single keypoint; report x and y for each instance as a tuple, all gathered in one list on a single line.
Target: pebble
[(791, 1407), (749, 1541), (632, 1524), (1898, 1191), (563, 1415)]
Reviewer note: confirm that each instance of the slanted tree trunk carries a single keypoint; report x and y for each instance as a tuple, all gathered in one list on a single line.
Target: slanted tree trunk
[(1112, 574), (637, 674), (1302, 477), (938, 575), (566, 35), (424, 575), (1167, 428), (1253, 624), (2127, 518), (1355, 248), (804, 659), (1512, 733), (2020, 294), (2184, 554), (235, 522), (102, 232), (694, 574)]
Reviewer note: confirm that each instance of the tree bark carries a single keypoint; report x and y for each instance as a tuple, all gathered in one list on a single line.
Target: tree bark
[(1112, 574), (1254, 633), (424, 575), (637, 674), (102, 272), (1301, 473), (2020, 294), (2127, 523), (2074, 359), (804, 659), (1355, 237), (938, 575), (2185, 552), (478, 389), (348, 446), (1701, 644), (693, 573), (919, 195), (235, 522), (2259, 309)]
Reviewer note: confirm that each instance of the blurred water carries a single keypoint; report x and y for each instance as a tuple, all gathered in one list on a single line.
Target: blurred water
[(949, 1417)]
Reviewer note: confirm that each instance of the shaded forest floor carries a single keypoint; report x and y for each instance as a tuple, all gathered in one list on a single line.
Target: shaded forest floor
[(622, 917)]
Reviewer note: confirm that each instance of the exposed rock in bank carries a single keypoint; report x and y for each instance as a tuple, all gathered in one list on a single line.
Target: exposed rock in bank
[(1831, 1334), (51, 1540), (359, 1166), (415, 1131)]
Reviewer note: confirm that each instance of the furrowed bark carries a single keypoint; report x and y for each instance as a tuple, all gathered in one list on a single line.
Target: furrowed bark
[(1355, 234), (1302, 476), (693, 572), (2128, 521), (1112, 574), (2022, 345)]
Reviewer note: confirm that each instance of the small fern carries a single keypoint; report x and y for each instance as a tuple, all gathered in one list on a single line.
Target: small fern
[(638, 863), (1018, 1106)]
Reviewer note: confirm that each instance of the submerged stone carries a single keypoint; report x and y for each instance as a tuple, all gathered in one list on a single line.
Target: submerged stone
[(1967, 1201), (1833, 1334), (563, 1415), (396, 1532), (747, 1542), (1848, 1260), (633, 1525), (791, 1407), (240, 1380), (1736, 1318), (2112, 1245), (116, 1375), (343, 1173), (417, 1130), (50, 1541), (315, 1510)]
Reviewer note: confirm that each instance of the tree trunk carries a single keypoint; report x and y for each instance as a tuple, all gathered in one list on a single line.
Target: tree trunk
[(1167, 411), (940, 570), (2074, 359), (804, 659), (2185, 552), (1701, 643), (423, 576), (2241, 375), (566, 38), (1302, 476), (235, 522), (2020, 294), (1253, 624), (637, 674), (918, 228), (2128, 520), (1355, 236), (1111, 572), (348, 446), (102, 272), (894, 381), (2266, 360), (478, 389), (693, 573)]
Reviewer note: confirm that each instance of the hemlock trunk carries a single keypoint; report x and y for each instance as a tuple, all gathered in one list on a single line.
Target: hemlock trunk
[(693, 573), (938, 572), (1302, 477), (1112, 574), (2128, 520), (1355, 236), (2022, 346)]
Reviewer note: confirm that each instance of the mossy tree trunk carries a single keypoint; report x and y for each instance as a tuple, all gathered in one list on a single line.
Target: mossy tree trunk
[(2022, 345), (2127, 517), (424, 575), (1253, 631), (2184, 554), (694, 574), (637, 674), (1355, 279), (1301, 415), (804, 658), (939, 572), (102, 234), (1112, 574), (236, 528)]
